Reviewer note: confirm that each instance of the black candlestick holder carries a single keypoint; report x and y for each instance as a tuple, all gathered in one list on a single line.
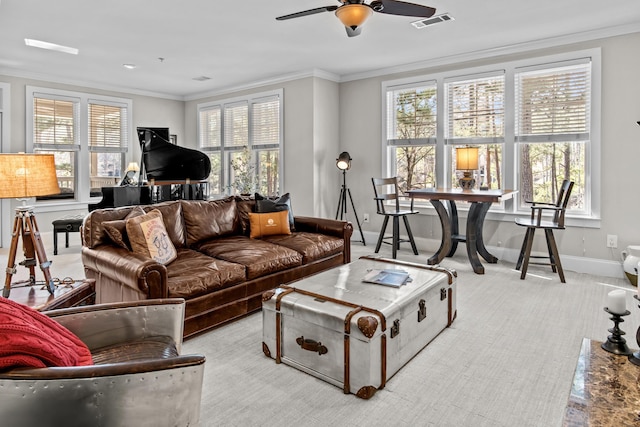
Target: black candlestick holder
[(635, 357), (615, 343)]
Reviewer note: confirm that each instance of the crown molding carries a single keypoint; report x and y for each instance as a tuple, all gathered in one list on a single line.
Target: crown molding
[(41, 77), (585, 36), (265, 82)]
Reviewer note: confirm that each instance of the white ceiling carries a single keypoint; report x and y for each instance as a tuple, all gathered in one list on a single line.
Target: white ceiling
[(239, 43)]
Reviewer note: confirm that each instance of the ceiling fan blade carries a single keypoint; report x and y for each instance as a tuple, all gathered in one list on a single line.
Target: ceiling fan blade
[(307, 12), (352, 33), (395, 7)]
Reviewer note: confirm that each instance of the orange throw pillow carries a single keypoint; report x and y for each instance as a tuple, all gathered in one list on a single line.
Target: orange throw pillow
[(267, 224)]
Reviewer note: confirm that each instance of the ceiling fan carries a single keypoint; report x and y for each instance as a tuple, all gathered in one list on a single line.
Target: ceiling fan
[(353, 13)]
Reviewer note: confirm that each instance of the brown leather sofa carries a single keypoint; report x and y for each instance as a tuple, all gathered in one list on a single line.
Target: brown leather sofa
[(220, 271)]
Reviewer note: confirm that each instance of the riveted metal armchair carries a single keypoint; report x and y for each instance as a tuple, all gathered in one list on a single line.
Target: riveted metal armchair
[(138, 378)]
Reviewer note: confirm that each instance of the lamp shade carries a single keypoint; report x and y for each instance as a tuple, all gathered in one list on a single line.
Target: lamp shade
[(343, 162), (467, 158), (27, 175), (133, 166), (353, 15)]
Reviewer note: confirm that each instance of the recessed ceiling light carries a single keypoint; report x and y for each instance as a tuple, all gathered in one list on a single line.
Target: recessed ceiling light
[(51, 46), (129, 66)]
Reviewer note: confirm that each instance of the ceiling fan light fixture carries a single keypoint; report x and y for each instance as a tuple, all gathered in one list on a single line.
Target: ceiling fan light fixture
[(353, 15)]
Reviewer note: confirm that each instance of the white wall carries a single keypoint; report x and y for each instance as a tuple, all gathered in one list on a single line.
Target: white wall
[(360, 131), (326, 148)]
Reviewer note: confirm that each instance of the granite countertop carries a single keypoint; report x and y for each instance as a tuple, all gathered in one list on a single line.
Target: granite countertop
[(605, 389)]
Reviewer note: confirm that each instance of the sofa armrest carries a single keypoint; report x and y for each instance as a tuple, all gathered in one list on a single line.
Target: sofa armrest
[(130, 269), (329, 227)]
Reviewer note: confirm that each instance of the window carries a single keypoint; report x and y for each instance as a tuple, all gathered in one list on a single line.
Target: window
[(108, 143), (55, 122), (411, 135), (475, 116), (552, 131), (243, 140), (531, 120), (87, 134)]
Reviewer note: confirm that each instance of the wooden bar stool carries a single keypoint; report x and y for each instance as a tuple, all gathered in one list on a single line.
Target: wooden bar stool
[(382, 194), (536, 221)]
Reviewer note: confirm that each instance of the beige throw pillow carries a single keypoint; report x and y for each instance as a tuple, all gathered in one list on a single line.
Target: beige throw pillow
[(148, 236)]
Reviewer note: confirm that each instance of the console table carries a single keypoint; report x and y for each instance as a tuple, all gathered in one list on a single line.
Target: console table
[(605, 389)]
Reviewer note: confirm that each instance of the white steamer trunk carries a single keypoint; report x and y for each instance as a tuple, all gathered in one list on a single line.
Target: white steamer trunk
[(353, 334)]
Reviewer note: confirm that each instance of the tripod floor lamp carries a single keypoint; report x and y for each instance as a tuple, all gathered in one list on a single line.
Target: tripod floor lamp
[(343, 162), (24, 176)]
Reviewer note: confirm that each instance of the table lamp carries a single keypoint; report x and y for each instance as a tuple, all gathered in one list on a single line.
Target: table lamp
[(130, 174), (467, 161), (24, 176), (133, 166)]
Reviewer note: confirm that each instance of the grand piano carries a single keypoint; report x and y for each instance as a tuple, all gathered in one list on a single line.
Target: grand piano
[(168, 172)]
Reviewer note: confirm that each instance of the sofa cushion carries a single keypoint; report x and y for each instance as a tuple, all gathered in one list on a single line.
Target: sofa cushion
[(194, 273), (148, 236), (312, 246), (117, 229), (259, 257), (268, 224), (205, 220), (283, 203)]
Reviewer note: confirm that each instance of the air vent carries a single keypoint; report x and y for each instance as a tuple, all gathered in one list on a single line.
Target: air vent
[(202, 78), (433, 20)]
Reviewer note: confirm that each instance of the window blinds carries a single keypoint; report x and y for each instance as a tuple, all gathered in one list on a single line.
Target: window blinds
[(553, 104), (107, 128), (265, 122), (210, 127), (475, 110), (412, 115), (55, 123), (236, 125)]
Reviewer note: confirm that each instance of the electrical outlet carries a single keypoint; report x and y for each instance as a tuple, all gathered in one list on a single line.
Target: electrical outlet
[(365, 217), (612, 241)]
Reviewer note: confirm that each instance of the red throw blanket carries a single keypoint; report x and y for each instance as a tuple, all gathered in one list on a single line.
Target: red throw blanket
[(28, 338)]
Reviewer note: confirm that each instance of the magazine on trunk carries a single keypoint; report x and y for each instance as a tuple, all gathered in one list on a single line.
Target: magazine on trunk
[(388, 277)]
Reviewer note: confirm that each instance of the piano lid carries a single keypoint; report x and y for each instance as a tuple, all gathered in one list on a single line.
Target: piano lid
[(164, 161)]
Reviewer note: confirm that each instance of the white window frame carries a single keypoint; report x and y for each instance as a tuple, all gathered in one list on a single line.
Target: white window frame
[(224, 149), (82, 158), (510, 155)]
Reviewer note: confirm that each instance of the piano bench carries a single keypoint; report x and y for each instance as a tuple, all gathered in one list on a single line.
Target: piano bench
[(66, 225)]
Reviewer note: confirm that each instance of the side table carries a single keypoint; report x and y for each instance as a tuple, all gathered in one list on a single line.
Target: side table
[(65, 295), (605, 389)]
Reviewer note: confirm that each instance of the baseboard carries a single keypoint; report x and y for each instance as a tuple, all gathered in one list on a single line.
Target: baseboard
[(594, 266)]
